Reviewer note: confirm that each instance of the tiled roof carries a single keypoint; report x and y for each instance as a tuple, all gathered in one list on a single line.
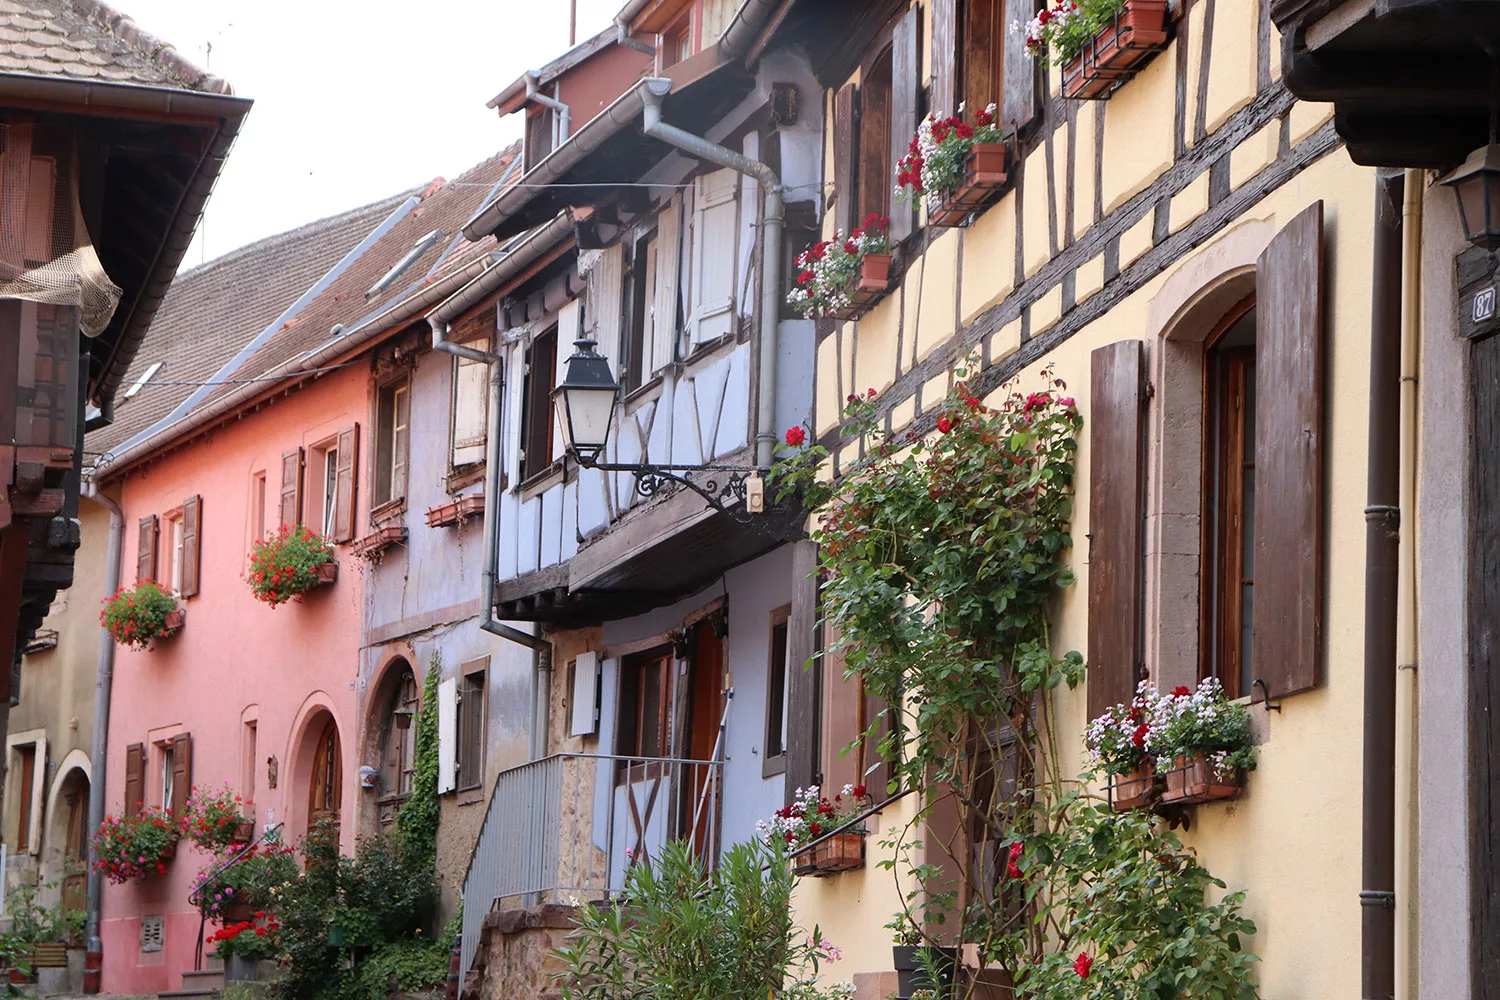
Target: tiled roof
[(87, 40), (215, 309), (445, 205)]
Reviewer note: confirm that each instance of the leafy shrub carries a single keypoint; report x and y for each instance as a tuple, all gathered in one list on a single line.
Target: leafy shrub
[(137, 617), (33, 923), (262, 872), (285, 566)]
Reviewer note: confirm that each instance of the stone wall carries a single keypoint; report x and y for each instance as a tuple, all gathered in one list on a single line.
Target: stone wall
[(514, 960)]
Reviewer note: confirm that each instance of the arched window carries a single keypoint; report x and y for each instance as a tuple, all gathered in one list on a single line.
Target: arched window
[(398, 763)]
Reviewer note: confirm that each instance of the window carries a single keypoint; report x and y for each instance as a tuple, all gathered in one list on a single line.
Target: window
[(249, 754), (471, 407), (172, 524), (325, 791), (392, 416), (645, 680), (258, 506), (398, 758), (168, 753), (1229, 504), (874, 186), (471, 729), (714, 250), (776, 692), (323, 487), (677, 41), (536, 404), (640, 312), (26, 766)]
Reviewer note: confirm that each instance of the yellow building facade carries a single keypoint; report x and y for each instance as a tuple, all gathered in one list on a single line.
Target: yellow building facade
[(1149, 217)]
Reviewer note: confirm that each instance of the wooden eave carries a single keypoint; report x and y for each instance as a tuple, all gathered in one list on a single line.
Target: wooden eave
[(657, 17)]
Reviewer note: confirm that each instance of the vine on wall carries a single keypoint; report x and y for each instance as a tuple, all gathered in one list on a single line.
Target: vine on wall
[(940, 559), (417, 819)]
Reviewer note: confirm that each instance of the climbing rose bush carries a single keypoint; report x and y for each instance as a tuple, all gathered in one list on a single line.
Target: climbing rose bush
[(285, 566), (131, 848), (137, 617), (829, 269)]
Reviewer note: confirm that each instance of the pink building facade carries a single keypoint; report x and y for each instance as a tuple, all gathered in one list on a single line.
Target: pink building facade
[(264, 694)]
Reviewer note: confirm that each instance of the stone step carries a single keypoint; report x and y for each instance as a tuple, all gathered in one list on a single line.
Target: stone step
[(187, 994), (206, 979)]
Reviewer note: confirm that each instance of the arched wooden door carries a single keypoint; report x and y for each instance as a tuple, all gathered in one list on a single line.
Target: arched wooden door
[(76, 842), (326, 790)]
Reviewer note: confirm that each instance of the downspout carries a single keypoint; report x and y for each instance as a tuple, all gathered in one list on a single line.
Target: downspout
[(1377, 895), (98, 752), (654, 91), (534, 93), (1408, 829), (487, 620)]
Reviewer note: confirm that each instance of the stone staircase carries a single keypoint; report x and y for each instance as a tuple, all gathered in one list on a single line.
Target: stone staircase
[(208, 982)]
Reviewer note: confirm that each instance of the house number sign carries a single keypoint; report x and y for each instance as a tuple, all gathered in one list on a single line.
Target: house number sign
[(1478, 301)]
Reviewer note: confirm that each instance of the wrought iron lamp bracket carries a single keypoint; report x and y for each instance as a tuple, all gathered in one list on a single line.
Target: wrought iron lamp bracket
[(722, 487)]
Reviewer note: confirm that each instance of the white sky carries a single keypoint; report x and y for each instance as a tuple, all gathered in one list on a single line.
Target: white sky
[(355, 101)]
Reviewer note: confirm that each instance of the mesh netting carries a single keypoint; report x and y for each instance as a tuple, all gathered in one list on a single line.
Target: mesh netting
[(45, 252)]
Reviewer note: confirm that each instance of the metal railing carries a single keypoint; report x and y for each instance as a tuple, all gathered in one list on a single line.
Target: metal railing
[(567, 828)]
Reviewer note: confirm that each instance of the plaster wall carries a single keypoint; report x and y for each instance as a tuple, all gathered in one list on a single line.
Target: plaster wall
[(236, 659), (57, 697), (1123, 274)]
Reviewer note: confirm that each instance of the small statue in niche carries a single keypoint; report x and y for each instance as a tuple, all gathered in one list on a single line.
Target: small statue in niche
[(271, 772)]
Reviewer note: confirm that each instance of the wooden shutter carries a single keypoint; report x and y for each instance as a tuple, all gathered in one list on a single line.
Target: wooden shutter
[(447, 735), (842, 711), (944, 98), (291, 488), (192, 534), (584, 696), (715, 240), (1116, 420), (135, 778), (663, 346), (1287, 617), (1021, 75), (804, 695), (145, 553), (607, 303), (471, 386), (182, 772), (846, 200), (569, 329), (906, 58), (345, 491), (982, 55)]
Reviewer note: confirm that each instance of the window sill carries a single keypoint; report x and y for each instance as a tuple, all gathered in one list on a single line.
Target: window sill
[(708, 347), (772, 766), (542, 481), (643, 392), (470, 796), (466, 475), (387, 513)]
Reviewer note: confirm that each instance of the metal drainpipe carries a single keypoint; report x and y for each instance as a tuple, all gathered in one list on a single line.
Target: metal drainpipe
[(103, 683), (488, 622), (534, 93), (1377, 895), (770, 258)]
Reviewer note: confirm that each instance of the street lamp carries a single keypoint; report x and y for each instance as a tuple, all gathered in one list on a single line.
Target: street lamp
[(585, 401), (1476, 185)]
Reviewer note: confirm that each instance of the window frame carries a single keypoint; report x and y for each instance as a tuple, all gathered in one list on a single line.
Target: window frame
[(774, 749), (392, 451), (173, 526), (462, 474), (320, 485), (25, 793), (473, 699), (537, 430), (258, 495), (638, 300), (632, 670)]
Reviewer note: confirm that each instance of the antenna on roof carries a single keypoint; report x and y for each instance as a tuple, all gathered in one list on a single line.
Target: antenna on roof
[(572, 23)]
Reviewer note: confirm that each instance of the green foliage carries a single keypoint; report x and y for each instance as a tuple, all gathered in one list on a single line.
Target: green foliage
[(257, 878), (137, 616), (15, 954), (417, 820), (408, 966), (341, 911), (258, 938), (32, 923), (681, 933), (285, 566), (1061, 30), (135, 847)]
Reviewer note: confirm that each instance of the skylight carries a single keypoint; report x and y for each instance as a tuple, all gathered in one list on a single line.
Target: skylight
[(412, 256)]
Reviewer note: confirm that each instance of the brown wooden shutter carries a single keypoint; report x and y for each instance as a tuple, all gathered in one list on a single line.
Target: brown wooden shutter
[(906, 59), (182, 773), (1021, 75), (192, 534), (983, 55), (1289, 456), (345, 492), (145, 553), (842, 710), (1116, 419), (291, 488), (846, 199), (135, 778), (944, 98), (804, 700)]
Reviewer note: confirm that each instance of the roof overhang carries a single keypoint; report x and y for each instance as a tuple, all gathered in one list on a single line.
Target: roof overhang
[(513, 97), (153, 197), (1410, 80)]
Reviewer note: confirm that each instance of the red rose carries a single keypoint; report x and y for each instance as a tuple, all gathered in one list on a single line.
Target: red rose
[(1066, 402), (795, 436), (870, 393), (1015, 851), (859, 791), (1011, 871), (944, 424), (1082, 964)]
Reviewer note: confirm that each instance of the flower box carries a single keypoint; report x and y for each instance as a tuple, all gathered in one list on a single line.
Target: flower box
[(870, 286), (456, 511), (1117, 53), (1196, 779), (1132, 789), (243, 832), (373, 546), (985, 176), (840, 853), (174, 621), (328, 573)]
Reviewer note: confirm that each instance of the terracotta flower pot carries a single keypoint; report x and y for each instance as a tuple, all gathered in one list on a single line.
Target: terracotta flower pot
[(237, 911), (244, 832), (176, 618), (1194, 779), (327, 573), (1131, 790), (1118, 52), (985, 176), (870, 285), (170, 851), (840, 853)]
